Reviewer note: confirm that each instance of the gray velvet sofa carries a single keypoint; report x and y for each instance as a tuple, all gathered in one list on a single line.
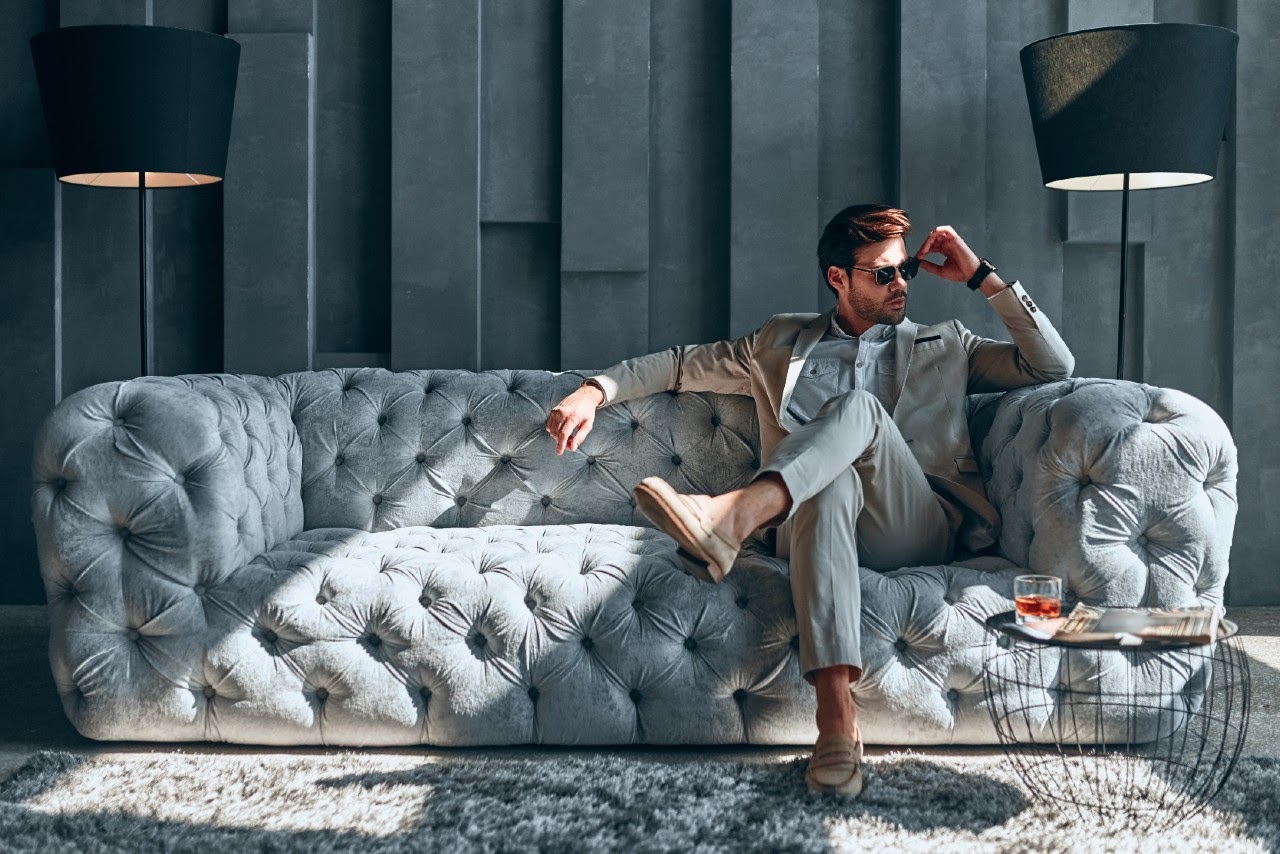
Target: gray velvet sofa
[(360, 557)]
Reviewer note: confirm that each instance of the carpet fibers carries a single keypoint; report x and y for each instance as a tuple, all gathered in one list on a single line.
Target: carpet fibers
[(559, 801)]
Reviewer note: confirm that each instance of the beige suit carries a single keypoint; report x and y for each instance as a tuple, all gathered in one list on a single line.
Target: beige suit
[(935, 368)]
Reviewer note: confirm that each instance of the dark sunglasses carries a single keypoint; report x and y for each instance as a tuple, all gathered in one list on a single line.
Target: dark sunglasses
[(884, 275)]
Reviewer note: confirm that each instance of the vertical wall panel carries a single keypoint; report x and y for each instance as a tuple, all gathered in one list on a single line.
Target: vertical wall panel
[(76, 13), (435, 227), (23, 140), (521, 268), (208, 15), (857, 95), (353, 197), (28, 347), (1022, 214), (1089, 322), (271, 16), (520, 111), (773, 209), (1256, 407), (605, 183), (943, 155), (689, 172), (269, 202)]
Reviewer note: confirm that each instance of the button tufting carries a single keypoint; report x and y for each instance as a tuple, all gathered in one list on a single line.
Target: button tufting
[(198, 589), (133, 634), (382, 419), (531, 603), (466, 420), (546, 501), (690, 644), (322, 599), (795, 641), (740, 696), (505, 459), (533, 693), (715, 420), (125, 533), (741, 601), (118, 422), (634, 695), (425, 693), (209, 692), (377, 499), (480, 640), (61, 483), (676, 459), (339, 460), (270, 636), (179, 479), (322, 694), (591, 461), (460, 500), (900, 645), (373, 640), (953, 695), (425, 601), (420, 457), (635, 425), (637, 604), (588, 643)]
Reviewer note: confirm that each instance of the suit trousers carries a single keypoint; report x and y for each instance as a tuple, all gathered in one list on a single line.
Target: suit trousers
[(858, 498)]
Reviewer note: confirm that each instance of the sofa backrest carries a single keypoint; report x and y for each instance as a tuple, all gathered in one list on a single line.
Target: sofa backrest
[(449, 448)]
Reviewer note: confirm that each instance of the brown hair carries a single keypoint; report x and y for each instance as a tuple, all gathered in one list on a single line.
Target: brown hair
[(855, 227)]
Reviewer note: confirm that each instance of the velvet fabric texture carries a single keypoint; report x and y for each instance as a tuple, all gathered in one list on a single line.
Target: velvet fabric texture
[(361, 557)]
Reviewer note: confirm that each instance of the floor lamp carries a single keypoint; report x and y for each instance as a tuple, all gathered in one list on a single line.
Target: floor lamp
[(137, 106), (1133, 107)]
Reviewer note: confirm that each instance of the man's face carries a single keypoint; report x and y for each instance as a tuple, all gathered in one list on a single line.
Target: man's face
[(867, 301)]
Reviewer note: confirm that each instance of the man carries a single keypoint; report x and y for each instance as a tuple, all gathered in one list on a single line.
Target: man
[(864, 437)]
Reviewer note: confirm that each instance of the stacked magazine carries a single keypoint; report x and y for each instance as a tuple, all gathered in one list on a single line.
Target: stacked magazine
[(1129, 626)]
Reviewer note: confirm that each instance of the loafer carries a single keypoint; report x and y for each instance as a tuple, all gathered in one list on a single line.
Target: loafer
[(835, 768), (710, 551)]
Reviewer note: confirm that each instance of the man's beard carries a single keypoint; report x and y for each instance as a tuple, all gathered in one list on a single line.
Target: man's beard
[(875, 311)]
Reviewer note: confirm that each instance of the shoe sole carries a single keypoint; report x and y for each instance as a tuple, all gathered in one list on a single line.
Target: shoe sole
[(662, 512)]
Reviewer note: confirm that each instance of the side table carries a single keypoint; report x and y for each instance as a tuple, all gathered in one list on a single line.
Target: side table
[(1150, 733)]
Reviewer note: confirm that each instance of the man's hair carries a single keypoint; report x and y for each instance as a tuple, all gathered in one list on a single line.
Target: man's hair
[(855, 227)]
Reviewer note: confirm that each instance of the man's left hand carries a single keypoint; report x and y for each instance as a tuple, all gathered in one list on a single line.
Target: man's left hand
[(960, 263)]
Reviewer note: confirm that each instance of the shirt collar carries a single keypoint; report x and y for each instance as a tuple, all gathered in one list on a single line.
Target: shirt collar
[(879, 332)]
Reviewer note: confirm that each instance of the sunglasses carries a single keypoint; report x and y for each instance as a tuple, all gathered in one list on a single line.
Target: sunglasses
[(884, 275)]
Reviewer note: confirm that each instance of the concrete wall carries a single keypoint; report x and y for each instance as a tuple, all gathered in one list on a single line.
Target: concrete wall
[(562, 183)]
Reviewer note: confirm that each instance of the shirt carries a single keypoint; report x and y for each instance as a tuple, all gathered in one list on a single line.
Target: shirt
[(841, 362)]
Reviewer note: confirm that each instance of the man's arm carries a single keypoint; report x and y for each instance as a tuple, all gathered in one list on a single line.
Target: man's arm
[(722, 366), (1038, 353)]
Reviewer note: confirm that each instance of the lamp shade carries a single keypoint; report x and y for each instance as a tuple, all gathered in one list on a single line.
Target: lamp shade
[(1146, 99), (120, 100)]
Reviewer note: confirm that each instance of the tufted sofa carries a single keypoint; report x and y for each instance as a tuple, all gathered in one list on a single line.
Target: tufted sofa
[(360, 557)]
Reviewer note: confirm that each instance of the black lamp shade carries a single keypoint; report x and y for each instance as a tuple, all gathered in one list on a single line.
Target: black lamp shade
[(119, 100), (1150, 100)]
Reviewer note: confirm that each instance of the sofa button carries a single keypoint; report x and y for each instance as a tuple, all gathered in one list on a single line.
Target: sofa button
[(635, 695), (690, 644), (339, 460), (133, 634), (420, 457), (119, 422), (591, 461), (460, 500), (588, 643), (533, 693), (382, 419), (741, 601), (322, 694), (715, 420), (466, 421), (373, 640), (676, 459), (635, 425), (425, 693), (546, 501), (208, 692), (322, 600), (60, 483), (740, 696), (377, 499), (505, 459), (198, 590), (953, 695), (900, 645)]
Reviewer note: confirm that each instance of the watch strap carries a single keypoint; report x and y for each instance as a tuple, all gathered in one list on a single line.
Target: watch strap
[(985, 268)]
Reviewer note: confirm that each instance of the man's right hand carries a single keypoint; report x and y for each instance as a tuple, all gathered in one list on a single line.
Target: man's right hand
[(572, 418)]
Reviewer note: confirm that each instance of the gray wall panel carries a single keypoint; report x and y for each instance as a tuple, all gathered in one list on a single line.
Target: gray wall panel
[(100, 286), (23, 140), (689, 181), (942, 171), (76, 13), (210, 15), (353, 195), (1256, 410), (1090, 305), (435, 229), (857, 93), (269, 264), (520, 111), (271, 16), (1022, 214), (28, 349), (521, 287), (605, 137), (773, 209), (602, 318)]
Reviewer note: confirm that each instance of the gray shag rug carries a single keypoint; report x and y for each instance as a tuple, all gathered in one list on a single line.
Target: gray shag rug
[(580, 801)]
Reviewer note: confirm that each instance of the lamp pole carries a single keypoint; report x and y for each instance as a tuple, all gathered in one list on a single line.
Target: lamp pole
[(144, 281), (1124, 266)]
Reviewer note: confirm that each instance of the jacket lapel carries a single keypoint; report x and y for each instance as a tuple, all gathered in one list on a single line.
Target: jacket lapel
[(903, 346), (806, 339)]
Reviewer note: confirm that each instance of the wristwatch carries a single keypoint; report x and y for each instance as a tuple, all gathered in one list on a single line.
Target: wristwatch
[(985, 268)]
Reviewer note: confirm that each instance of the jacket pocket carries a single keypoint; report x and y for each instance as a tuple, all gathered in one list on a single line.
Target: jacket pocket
[(967, 465)]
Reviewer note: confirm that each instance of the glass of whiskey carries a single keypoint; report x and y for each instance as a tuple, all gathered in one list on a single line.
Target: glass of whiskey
[(1037, 597)]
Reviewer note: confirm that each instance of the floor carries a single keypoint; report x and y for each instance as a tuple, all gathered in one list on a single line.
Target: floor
[(31, 718)]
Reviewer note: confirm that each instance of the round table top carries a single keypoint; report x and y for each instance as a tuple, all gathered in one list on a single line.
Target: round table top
[(1006, 623)]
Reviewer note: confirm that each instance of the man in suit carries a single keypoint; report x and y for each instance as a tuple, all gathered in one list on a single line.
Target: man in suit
[(864, 438)]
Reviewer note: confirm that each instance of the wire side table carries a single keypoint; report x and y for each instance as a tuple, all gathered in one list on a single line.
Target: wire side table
[(1149, 733)]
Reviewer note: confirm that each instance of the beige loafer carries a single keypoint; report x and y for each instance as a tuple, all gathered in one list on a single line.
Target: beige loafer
[(684, 519), (835, 768)]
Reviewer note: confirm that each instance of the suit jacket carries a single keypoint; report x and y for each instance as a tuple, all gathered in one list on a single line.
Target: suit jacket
[(935, 368)]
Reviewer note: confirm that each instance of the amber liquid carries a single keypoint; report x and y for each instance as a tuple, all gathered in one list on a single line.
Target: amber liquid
[(1038, 607)]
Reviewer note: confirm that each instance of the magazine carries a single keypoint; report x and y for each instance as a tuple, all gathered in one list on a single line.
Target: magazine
[(1129, 626)]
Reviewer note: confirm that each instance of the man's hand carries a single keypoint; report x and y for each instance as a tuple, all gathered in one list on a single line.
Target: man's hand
[(572, 419), (960, 263)]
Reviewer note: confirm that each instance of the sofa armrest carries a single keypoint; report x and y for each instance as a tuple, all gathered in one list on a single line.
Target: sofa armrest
[(1126, 491), (146, 494)]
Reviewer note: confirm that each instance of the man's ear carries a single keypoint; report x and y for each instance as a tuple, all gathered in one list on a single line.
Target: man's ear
[(836, 278)]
